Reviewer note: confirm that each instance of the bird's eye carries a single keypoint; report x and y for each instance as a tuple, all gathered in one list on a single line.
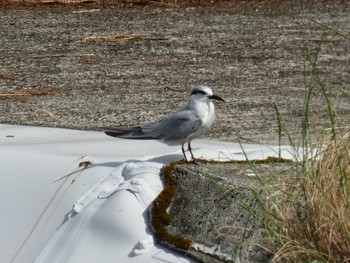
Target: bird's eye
[(196, 91)]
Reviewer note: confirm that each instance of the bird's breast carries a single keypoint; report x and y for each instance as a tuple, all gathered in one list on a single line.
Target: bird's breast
[(209, 117), (206, 113)]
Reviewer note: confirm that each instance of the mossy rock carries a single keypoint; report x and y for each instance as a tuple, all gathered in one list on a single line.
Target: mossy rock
[(217, 212)]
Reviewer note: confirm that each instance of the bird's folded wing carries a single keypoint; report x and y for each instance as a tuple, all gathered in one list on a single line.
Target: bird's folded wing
[(175, 127), (178, 126)]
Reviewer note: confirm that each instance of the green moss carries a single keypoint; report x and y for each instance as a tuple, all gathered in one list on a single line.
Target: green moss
[(159, 216), (270, 159)]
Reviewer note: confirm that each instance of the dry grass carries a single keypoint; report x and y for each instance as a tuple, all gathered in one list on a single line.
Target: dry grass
[(44, 113), (249, 4), (22, 95), (316, 220), (122, 37), (160, 3)]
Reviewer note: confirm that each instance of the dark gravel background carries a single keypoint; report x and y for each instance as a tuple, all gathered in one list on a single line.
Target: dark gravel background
[(63, 66)]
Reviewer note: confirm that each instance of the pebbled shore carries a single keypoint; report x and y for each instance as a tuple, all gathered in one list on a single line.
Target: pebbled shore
[(84, 67)]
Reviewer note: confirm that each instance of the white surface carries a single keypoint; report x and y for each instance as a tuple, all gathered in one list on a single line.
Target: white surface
[(52, 210)]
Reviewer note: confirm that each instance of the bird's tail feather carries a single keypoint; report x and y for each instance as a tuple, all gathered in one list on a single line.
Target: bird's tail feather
[(127, 133)]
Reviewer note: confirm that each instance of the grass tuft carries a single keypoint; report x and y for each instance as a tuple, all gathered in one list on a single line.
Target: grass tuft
[(311, 220), (316, 220)]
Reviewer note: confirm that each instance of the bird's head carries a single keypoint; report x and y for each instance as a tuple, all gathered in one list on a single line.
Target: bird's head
[(203, 93)]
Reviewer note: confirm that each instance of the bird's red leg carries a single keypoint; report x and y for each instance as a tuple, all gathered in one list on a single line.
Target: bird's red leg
[(183, 151), (190, 150)]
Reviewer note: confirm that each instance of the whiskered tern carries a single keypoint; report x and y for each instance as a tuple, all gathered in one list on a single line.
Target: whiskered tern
[(180, 127)]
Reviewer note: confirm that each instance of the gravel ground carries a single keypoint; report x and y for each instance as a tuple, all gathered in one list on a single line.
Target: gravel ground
[(87, 66)]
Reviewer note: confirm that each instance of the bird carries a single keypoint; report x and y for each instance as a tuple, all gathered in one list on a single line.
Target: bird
[(180, 127)]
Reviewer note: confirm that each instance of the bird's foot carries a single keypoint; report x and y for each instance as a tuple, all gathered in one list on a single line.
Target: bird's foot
[(191, 161)]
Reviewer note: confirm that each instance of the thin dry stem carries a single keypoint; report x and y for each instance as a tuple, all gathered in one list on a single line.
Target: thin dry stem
[(319, 227)]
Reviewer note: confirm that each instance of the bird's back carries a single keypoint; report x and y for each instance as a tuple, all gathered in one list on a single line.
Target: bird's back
[(174, 129)]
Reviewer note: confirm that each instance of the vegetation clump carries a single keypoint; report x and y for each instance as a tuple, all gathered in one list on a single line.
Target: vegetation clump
[(311, 215), (159, 216), (316, 220)]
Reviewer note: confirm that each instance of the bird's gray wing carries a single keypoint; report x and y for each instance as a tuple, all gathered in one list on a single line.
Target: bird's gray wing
[(176, 126), (127, 133)]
